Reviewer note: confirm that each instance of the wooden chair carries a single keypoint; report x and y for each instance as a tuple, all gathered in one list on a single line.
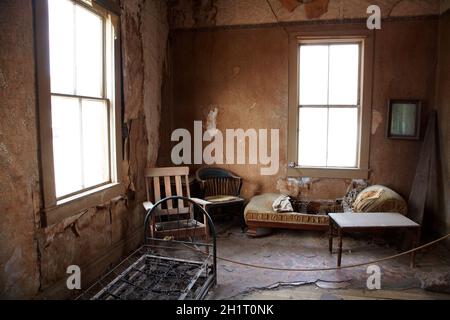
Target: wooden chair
[(174, 219), (221, 188)]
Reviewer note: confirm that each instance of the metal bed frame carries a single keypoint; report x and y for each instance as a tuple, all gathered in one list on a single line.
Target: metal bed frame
[(162, 269)]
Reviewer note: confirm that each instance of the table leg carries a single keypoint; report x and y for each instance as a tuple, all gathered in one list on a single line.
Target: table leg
[(340, 247), (415, 243), (330, 236)]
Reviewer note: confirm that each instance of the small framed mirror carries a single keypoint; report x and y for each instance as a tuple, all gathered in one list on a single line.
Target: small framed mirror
[(404, 119)]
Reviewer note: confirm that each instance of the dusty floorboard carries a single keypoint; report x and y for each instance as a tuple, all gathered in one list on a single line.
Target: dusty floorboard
[(298, 249)]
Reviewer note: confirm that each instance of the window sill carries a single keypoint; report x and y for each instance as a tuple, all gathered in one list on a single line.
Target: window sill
[(335, 173), (74, 205)]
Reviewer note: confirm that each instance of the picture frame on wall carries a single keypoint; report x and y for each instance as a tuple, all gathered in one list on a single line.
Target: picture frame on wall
[(404, 119)]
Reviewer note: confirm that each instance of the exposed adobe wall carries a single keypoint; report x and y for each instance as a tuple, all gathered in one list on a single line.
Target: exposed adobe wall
[(207, 13), (33, 260), (244, 72)]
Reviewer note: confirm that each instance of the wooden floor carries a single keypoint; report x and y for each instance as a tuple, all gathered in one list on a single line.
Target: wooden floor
[(312, 292), (292, 249)]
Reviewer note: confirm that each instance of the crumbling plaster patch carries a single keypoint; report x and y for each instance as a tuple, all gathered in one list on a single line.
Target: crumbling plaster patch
[(147, 52), (204, 12), (184, 14), (377, 120), (155, 31), (415, 8)]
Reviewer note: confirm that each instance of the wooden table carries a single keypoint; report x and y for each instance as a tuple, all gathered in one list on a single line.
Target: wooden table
[(358, 222)]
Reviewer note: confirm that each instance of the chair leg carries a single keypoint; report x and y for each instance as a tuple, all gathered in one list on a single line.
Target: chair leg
[(205, 221), (153, 227), (242, 217)]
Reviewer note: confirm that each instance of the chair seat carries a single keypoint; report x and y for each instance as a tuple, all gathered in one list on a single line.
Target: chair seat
[(224, 198), (178, 225)]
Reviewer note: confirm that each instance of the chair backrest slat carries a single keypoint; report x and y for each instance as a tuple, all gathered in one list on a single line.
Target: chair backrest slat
[(147, 189), (168, 190), (188, 192), (179, 190), (157, 189)]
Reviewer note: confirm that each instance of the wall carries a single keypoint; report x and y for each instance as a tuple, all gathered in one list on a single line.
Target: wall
[(19, 269), (33, 260), (445, 5), (443, 108), (243, 71), (405, 59), (208, 13)]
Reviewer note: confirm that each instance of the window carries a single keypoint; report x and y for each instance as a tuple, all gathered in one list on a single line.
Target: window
[(329, 104), (329, 107), (79, 103)]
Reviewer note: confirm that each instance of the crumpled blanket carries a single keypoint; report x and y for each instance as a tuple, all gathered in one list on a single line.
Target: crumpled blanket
[(380, 199), (282, 204)]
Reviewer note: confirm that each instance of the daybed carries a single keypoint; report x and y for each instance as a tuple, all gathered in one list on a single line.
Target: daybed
[(310, 215)]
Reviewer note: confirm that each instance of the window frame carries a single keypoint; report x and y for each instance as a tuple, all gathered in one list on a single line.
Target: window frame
[(55, 210), (324, 35)]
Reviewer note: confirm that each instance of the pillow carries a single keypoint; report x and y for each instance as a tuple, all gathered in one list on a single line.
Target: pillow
[(380, 199)]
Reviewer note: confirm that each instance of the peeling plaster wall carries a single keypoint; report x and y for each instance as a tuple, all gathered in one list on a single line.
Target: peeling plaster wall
[(19, 175), (144, 57), (155, 47), (33, 260), (207, 13), (244, 73)]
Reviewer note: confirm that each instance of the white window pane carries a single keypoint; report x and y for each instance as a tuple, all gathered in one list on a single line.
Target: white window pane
[(61, 37), (95, 142), (344, 74), (343, 137), (66, 145), (313, 137), (313, 75), (89, 53)]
